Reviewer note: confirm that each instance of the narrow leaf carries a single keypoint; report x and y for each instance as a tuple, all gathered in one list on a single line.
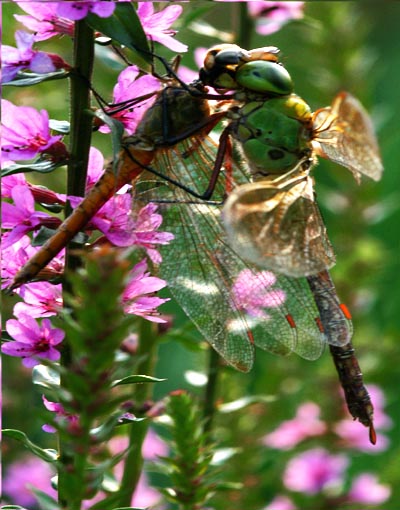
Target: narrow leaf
[(28, 79), (135, 379), (45, 454), (43, 167), (45, 501), (241, 403), (124, 27)]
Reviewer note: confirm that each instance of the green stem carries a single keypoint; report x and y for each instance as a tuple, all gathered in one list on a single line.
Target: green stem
[(245, 27), (142, 393), (211, 390), (81, 130), (81, 119)]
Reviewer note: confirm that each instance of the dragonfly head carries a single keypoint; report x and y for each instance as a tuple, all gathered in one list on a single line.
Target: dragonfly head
[(229, 67)]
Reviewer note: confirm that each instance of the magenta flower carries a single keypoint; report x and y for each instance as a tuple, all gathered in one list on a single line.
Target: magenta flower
[(314, 471), (367, 490), (349, 431), (41, 299), (32, 341), (131, 86), (21, 217), (25, 132), (157, 25), (143, 232), (78, 10), (135, 299), (24, 57), (9, 182), (43, 20), (28, 470), (13, 258), (95, 167), (281, 502), (252, 292), (271, 16), (61, 415), (305, 424), (116, 222)]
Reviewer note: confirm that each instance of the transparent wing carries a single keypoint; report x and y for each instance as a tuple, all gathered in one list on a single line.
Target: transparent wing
[(234, 304), (279, 227), (344, 133)]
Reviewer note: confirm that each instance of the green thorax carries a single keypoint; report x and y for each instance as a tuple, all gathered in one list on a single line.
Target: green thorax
[(275, 134)]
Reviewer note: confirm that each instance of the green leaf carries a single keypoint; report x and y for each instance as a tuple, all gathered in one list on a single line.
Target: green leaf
[(124, 26), (241, 403), (45, 376), (45, 501), (61, 126), (46, 454), (46, 233), (117, 130), (12, 507), (43, 167), (28, 79), (135, 379)]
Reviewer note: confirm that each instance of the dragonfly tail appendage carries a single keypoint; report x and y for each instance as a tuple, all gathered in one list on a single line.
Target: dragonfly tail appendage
[(101, 192), (336, 323)]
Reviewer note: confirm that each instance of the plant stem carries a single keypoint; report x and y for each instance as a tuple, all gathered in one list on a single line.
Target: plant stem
[(142, 393), (81, 120), (211, 390), (245, 27), (81, 127)]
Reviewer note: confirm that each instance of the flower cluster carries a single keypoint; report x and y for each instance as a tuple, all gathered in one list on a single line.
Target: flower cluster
[(316, 471), (27, 135)]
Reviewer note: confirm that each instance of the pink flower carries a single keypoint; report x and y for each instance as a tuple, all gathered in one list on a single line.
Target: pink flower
[(314, 471), (78, 10), (26, 471), (61, 415), (252, 292), (116, 222), (10, 181), (157, 25), (14, 257), (281, 503), (25, 132), (134, 298), (366, 489), (22, 217), (349, 431), (271, 16), (144, 233), (24, 57), (153, 445), (32, 341), (43, 20), (131, 86), (41, 299), (305, 424)]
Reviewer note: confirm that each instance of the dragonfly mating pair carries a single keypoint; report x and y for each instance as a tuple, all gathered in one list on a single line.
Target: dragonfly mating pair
[(219, 268)]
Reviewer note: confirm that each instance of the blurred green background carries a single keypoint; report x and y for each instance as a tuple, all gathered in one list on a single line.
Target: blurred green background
[(353, 46)]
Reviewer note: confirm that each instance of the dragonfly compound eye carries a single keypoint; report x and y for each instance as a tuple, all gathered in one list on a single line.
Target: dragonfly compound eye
[(223, 55), (265, 77)]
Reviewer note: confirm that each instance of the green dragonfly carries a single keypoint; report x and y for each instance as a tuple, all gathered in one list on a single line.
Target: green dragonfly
[(274, 221)]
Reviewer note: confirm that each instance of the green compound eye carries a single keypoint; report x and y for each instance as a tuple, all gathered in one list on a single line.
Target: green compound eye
[(266, 77)]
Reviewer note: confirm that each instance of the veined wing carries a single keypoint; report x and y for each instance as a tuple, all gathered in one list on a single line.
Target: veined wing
[(279, 226), (233, 304), (344, 133)]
